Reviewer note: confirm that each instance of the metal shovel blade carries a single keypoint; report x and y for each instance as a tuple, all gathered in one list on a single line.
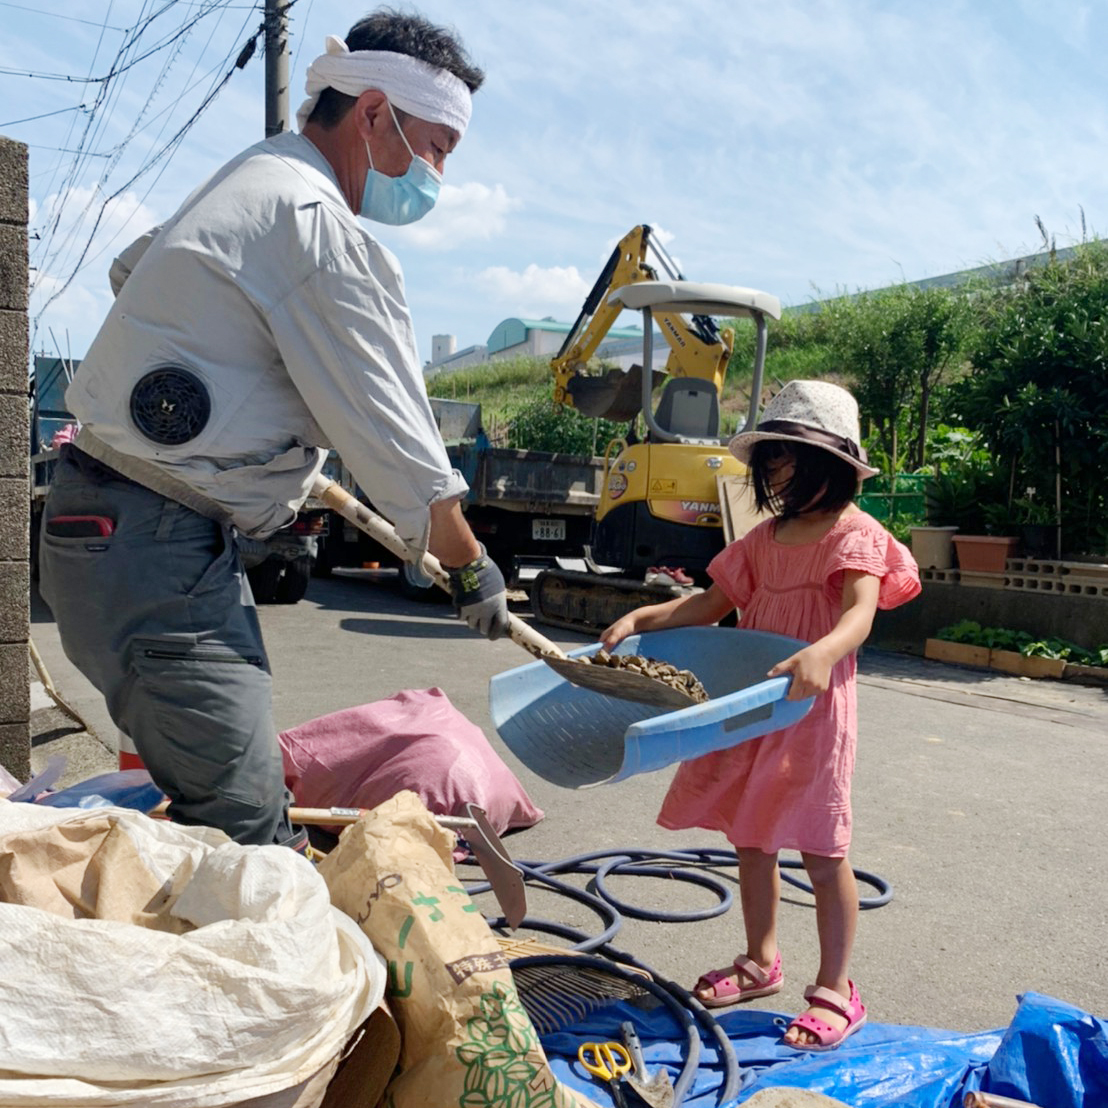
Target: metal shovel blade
[(620, 683), (653, 1088), (504, 875), (657, 1092)]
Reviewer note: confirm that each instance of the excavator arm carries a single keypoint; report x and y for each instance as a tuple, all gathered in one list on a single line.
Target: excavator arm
[(697, 348)]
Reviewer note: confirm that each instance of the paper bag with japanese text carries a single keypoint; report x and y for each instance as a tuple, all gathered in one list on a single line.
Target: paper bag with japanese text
[(466, 1039)]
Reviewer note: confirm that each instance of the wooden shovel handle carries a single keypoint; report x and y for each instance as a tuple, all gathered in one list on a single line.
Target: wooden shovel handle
[(992, 1100), (338, 817), (377, 527)]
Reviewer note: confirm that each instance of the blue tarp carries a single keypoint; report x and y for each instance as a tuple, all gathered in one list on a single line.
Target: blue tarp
[(1051, 1054), (125, 788)]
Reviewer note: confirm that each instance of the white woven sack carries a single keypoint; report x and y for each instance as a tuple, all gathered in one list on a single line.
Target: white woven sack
[(258, 997)]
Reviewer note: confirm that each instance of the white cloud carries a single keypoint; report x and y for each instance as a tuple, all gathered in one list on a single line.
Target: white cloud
[(464, 213), (80, 308), (535, 291), (71, 322), (76, 212)]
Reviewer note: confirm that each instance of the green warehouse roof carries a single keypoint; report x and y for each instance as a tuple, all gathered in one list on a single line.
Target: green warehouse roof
[(512, 332)]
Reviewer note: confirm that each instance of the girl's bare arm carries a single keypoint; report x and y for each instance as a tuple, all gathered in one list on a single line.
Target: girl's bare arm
[(699, 609), (811, 667)]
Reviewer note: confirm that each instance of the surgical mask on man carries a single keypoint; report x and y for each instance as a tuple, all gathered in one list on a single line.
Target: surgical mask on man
[(404, 199)]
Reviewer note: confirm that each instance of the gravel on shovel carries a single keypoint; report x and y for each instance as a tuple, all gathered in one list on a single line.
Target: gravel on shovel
[(683, 680)]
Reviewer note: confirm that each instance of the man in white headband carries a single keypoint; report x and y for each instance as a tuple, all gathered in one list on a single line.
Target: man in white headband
[(258, 327)]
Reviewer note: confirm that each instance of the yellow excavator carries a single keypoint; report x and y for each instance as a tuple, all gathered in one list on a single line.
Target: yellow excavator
[(660, 499)]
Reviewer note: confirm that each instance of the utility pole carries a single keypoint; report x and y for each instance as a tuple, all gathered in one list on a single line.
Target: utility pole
[(276, 67)]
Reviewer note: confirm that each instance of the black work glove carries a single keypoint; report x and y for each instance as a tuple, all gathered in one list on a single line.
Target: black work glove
[(479, 596)]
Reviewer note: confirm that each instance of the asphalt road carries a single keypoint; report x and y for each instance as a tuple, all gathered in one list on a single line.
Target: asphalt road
[(980, 797)]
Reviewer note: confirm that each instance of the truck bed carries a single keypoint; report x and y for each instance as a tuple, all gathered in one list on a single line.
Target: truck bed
[(529, 480)]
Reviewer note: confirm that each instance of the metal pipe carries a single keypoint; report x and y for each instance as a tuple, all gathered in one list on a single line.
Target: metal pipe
[(761, 342), (657, 432), (1058, 489)]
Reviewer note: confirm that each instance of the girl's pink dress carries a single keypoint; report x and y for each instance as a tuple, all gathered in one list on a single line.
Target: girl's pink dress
[(791, 789)]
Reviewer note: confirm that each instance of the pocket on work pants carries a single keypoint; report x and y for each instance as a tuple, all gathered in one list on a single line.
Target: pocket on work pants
[(201, 554), (200, 715), (67, 561), (78, 581)]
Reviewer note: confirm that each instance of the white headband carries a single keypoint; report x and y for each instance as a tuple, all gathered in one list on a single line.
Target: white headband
[(411, 85)]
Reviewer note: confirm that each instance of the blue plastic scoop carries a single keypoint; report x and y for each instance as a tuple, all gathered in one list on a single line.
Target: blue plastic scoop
[(576, 738)]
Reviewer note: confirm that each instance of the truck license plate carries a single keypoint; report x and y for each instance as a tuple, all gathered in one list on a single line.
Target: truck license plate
[(548, 530)]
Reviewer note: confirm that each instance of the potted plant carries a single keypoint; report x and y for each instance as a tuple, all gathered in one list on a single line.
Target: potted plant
[(933, 547), (988, 552), (970, 499)]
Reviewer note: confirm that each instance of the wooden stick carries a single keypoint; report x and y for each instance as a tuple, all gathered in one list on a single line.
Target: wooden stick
[(503, 874), (377, 527), (48, 685), (992, 1100), (337, 816)]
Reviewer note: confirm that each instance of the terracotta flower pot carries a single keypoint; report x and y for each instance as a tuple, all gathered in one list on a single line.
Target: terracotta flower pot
[(985, 553)]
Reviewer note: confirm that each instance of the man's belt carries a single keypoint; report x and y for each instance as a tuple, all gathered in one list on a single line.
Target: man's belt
[(150, 476)]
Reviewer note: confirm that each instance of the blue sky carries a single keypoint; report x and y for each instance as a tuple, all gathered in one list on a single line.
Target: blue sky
[(800, 147)]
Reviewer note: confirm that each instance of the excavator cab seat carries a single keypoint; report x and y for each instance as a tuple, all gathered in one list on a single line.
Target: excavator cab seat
[(689, 408)]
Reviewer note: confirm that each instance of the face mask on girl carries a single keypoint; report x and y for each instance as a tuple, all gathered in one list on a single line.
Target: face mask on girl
[(404, 199)]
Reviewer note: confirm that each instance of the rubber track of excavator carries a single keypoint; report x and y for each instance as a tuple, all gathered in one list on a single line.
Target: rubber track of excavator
[(591, 602)]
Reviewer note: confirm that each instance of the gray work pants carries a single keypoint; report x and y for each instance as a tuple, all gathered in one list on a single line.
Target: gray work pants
[(159, 617)]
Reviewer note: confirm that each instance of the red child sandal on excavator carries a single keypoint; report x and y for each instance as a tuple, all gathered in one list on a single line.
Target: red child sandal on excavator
[(667, 575), (828, 1037), (727, 987)]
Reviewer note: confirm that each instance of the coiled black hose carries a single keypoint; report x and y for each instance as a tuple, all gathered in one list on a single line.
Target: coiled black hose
[(675, 865)]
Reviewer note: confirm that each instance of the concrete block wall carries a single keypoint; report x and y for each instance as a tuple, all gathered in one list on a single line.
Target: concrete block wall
[(1083, 620), (15, 699)]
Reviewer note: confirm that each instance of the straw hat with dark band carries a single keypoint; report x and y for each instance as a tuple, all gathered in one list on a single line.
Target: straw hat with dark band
[(815, 412)]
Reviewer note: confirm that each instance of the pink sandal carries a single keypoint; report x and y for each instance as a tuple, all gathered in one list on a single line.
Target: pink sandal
[(728, 990), (830, 1037)]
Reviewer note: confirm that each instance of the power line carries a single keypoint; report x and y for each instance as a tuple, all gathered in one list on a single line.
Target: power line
[(164, 153), (136, 129), (102, 110), (115, 72), (56, 15), (307, 19), (105, 94), (66, 150), (73, 121), (120, 147), (128, 56), (45, 115)]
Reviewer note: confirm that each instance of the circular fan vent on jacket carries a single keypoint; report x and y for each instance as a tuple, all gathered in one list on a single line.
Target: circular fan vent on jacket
[(170, 406)]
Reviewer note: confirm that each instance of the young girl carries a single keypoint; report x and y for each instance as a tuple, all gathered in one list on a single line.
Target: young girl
[(817, 571)]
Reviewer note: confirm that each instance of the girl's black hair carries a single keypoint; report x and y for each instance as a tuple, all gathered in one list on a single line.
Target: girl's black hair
[(821, 481)]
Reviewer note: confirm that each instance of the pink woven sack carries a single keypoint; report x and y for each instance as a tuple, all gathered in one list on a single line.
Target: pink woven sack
[(417, 740)]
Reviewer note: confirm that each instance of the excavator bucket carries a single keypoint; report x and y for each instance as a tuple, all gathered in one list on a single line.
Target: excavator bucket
[(617, 395)]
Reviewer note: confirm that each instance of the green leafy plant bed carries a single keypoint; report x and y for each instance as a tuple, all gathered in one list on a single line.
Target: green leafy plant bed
[(1017, 652)]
